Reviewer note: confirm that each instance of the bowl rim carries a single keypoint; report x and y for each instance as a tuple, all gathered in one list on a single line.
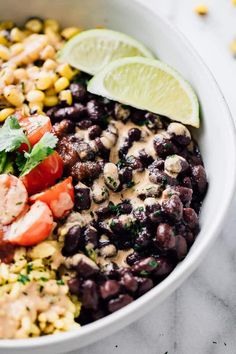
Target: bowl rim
[(184, 268)]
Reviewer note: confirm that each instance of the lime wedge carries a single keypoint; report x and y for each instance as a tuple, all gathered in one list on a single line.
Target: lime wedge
[(92, 50), (150, 85)]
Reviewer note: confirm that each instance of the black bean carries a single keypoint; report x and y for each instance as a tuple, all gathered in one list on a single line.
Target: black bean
[(164, 147), (123, 151), (91, 236), (90, 298), (95, 111), (187, 182), (145, 159), (190, 218), (78, 92), (124, 207), (143, 240), (165, 266), (74, 285), (199, 179), (68, 152), (84, 124), (145, 266), (185, 195), (144, 285), (75, 112), (118, 303), (134, 163), (104, 212), (104, 228), (153, 121), (74, 240), (129, 282), (173, 208), (109, 289), (181, 247), (86, 268), (154, 212), (165, 237), (133, 258), (134, 134), (82, 198), (126, 175), (140, 215), (102, 150), (94, 132)]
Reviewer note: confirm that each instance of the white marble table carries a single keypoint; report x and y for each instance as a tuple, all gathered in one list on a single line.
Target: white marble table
[(199, 318)]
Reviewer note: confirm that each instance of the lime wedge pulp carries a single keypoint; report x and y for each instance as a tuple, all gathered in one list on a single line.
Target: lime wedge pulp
[(148, 84), (92, 50)]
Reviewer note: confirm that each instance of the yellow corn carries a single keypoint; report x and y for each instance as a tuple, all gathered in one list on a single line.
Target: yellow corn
[(66, 96), (20, 74), (50, 92), (17, 35), (3, 39), (34, 25), (6, 112), (4, 52), (36, 107), (65, 70), (44, 81), (16, 48), (48, 52), (61, 84), (50, 101), (6, 25), (201, 10), (52, 25), (49, 64), (13, 95), (69, 32), (35, 96)]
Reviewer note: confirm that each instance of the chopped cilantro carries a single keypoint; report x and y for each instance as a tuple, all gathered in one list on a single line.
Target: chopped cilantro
[(153, 264), (60, 282), (12, 135), (29, 267), (23, 278), (144, 273), (130, 184)]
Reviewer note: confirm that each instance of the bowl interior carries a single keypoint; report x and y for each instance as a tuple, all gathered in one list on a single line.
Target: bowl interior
[(216, 137)]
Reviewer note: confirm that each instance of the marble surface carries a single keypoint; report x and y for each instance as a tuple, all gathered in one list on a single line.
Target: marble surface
[(200, 317)]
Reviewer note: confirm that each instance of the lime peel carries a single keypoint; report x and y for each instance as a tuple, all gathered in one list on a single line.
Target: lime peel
[(148, 84), (91, 50)]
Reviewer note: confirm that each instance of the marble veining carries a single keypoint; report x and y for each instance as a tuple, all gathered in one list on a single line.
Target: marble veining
[(200, 317)]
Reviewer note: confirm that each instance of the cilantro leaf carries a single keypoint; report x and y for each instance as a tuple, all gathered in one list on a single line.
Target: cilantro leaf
[(12, 135), (39, 152)]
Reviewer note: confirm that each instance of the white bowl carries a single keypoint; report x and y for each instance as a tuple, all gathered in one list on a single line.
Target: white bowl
[(216, 138)]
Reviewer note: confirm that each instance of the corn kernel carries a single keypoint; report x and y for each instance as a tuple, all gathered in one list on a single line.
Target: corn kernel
[(16, 48), (4, 52), (20, 74), (35, 96), (61, 84), (13, 95), (44, 81), (50, 92), (36, 107), (17, 35), (65, 96), (6, 25), (7, 76), (51, 24), (69, 32), (65, 70), (49, 64), (201, 10), (48, 52), (50, 101), (6, 112), (3, 38), (34, 25)]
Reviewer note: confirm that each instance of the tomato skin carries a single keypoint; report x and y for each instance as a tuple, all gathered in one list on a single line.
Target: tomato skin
[(44, 175), (32, 227), (35, 127), (59, 198)]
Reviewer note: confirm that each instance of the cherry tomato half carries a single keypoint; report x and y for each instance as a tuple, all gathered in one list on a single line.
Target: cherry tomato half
[(44, 175)]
